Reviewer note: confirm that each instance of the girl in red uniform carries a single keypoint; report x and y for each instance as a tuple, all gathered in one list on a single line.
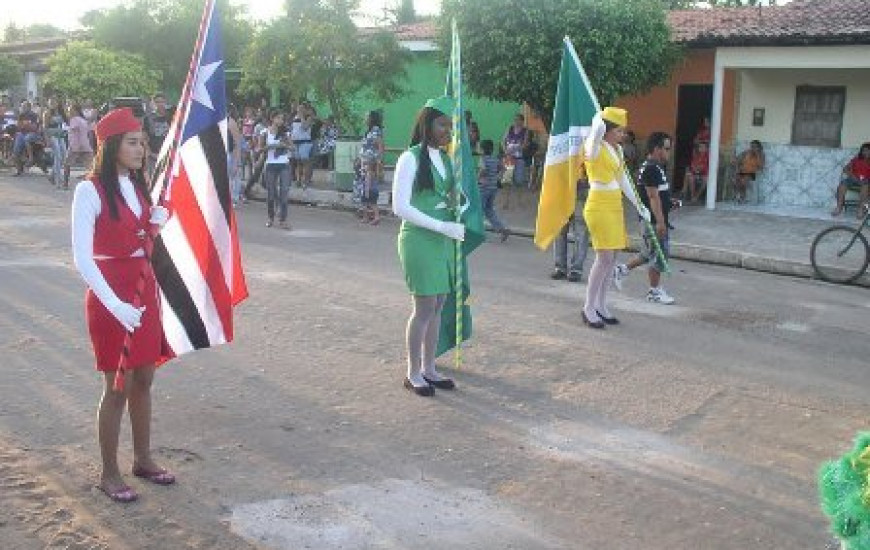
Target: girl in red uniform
[(111, 217)]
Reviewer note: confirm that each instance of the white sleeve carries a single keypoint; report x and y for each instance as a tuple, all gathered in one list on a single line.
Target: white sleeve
[(627, 187), (592, 145), (403, 188), (85, 209)]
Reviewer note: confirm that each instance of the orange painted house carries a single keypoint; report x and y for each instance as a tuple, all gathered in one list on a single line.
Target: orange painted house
[(678, 106)]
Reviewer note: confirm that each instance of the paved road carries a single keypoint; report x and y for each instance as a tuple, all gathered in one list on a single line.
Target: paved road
[(698, 425)]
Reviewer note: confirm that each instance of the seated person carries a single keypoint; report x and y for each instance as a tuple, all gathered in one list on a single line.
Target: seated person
[(749, 163), (856, 174), (695, 181)]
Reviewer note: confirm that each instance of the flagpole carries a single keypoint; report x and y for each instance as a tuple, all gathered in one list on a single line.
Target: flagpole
[(458, 115), (167, 169), (655, 240)]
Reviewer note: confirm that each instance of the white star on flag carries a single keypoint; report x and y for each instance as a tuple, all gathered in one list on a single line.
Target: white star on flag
[(200, 92)]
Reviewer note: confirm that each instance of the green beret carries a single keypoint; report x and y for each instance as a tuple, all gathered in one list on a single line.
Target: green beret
[(443, 104)]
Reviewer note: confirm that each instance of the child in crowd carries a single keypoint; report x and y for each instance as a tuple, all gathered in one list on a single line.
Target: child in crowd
[(488, 178), (749, 163), (695, 181)]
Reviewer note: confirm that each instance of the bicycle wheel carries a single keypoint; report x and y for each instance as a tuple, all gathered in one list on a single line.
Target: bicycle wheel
[(840, 254)]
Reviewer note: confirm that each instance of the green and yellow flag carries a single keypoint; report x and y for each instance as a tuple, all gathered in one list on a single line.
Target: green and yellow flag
[(456, 315), (572, 117)]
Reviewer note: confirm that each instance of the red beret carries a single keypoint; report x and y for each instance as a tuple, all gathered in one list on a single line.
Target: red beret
[(117, 121)]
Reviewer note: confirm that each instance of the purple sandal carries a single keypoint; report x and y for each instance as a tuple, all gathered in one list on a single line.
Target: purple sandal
[(123, 495), (158, 477)]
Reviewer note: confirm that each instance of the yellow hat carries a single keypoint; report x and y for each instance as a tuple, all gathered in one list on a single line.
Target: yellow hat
[(615, 115)]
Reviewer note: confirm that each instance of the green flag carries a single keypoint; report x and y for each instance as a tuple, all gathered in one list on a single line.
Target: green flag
[(575, 105), (456, 316)]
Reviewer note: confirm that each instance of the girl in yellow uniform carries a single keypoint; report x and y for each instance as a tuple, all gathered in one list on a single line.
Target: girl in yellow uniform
[(608, 181)]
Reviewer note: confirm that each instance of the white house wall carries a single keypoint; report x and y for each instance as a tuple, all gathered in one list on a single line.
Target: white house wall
[(774, 91)]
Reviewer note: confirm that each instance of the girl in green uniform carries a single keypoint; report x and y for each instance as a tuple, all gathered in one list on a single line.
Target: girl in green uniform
[(422, 187)]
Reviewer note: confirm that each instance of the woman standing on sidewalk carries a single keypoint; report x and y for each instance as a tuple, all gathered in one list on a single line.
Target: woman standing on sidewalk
[(54, 122), (371, 154), (422, 188), (111, 215), (276, 144), (80, 153), (608, 181)]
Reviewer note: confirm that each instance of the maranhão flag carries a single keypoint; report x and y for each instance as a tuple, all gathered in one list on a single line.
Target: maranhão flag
[(456, 315), (574, 108), (196, 257)]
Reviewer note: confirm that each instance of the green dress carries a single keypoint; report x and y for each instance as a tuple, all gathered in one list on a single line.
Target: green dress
[(428, 257)]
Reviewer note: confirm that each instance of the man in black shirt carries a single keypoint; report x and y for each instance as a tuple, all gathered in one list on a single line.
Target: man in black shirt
[(655, 193)]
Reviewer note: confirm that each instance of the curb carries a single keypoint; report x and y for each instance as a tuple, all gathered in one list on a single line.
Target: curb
[(340, 200)]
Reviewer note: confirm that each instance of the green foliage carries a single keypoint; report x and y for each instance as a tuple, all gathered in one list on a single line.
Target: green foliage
[(511, 48), (163, 32), (83, 70), (405, 13), (11, 72), (13, 33), (316, 51), (37, 31)]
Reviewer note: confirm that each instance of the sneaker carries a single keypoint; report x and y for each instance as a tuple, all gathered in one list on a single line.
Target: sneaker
[(659, 296), (557, 274), (620, 272), (574, 277)]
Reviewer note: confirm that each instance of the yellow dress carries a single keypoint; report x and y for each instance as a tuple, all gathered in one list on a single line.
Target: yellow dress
[(603, 210)]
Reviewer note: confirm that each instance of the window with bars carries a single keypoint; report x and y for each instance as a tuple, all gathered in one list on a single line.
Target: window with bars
[(818, 115)]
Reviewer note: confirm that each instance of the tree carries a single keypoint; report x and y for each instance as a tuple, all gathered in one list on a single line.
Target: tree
[(511, 48), (302, 54), (13, 33), (404, 12), (163, 32), (11, 72), (83, 70), (38, 31)]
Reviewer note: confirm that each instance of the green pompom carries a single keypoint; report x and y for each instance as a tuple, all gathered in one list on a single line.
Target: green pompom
[(842, 486)]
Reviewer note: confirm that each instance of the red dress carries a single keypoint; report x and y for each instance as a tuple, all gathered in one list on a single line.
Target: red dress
[(117, 240)]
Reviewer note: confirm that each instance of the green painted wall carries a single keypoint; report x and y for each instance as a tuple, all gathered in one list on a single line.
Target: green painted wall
[(425, 79)]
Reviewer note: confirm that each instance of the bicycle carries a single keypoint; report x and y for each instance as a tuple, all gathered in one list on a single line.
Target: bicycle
[(841, 253)]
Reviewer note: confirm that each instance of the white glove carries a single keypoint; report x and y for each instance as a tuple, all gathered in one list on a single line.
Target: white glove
[(455, 231), (159, 215), (127, 315), (643, 212)]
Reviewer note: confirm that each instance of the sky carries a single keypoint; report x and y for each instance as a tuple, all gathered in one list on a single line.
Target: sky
[(65, 13)]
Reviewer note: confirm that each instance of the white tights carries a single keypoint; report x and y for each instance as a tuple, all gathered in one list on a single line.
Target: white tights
[(421, 337), (597, 283)]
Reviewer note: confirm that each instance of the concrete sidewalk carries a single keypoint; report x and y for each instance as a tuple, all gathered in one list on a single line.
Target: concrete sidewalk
[(762, 238), (771, 239)]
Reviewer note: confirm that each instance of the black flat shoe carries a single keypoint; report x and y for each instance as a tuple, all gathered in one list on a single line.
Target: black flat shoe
[(573, 277), (557, 275), (608, 320), (443, 384), (424, 391), (591, 324)]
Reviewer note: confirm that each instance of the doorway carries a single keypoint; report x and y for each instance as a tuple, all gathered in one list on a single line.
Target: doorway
[(694, 102)]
